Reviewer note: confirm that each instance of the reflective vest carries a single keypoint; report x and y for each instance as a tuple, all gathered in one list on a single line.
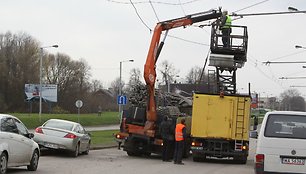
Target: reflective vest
[(228, 22), (179, 132)]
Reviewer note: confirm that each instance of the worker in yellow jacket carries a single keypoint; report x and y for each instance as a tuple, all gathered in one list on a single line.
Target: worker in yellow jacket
[(226, 22)]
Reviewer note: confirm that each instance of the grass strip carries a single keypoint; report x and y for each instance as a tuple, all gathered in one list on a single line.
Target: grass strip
[(103, 138), (32, 121)]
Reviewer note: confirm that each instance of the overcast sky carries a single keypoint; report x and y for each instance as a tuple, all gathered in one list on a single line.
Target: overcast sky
[(105, 32)]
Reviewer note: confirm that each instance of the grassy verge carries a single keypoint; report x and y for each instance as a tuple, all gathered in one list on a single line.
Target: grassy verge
[(103, 138), (32, 120)]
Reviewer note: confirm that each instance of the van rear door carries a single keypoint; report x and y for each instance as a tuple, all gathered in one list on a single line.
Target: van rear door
[(283, 143)]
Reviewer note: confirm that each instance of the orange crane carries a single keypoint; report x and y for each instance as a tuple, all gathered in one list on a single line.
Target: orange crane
[(142, 138), (153, 54)]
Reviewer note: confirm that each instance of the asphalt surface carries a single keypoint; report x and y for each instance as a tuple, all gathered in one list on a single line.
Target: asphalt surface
[(114, 161), (99, 128)]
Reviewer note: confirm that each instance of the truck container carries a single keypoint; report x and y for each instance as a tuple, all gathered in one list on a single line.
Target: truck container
[(220, 126)]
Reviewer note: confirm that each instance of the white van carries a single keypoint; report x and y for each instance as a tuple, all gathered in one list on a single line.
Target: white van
[(281, 144)]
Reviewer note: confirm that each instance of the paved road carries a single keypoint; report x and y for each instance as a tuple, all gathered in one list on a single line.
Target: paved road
[(98, 128), (114, 161)]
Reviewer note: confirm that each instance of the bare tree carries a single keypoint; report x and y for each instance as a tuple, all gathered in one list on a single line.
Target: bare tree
[(135, 76), (72, 78), (96, 85), (19, 65), (193, 75), (168, 73), (291, 100), (297, 103), (115, 85)]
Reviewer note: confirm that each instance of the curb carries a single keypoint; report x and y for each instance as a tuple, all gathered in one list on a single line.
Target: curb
[(98, 147)]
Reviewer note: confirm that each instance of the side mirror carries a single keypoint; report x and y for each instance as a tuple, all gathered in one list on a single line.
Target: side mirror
[(89, 133), (253, 134)]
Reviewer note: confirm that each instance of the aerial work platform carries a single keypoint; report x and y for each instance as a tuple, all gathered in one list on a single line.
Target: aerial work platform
[(228, 59)]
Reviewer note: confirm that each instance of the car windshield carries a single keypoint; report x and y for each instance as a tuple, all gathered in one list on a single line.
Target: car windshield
[(59, 125), (286, 126)]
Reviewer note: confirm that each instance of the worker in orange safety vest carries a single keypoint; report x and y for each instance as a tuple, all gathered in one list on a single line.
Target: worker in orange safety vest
[(180, 136)]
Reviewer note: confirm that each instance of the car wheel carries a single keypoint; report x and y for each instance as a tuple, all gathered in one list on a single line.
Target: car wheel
[(87, 149), (34, 161), (3, 163), (76, 151)]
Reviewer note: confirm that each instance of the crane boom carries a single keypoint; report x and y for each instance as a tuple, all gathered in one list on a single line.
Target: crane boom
[(154, 51)]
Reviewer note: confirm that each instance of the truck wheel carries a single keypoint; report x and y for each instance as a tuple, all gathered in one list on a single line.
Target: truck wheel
[(241, 159), (147, 154), (132, 153), (196, 159)]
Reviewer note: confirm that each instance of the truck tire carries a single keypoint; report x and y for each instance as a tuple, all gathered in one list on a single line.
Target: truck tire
[(199, 158), (147, 154), (132, 153), (241, 159), (196, 159)]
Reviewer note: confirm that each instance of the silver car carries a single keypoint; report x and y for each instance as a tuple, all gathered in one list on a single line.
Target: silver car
[(63, 135), (16, 145)]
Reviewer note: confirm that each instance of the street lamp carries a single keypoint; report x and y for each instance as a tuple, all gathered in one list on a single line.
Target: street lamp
[(40, 77), (299, 46), (295, 10), (292, 9), (120, 84)]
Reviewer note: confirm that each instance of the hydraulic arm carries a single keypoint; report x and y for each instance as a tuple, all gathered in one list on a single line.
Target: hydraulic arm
[(153, 54)]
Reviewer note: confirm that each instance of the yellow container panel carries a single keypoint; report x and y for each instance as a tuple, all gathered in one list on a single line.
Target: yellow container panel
[(220, 117)]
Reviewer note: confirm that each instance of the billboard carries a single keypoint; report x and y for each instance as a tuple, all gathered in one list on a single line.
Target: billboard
[(49, 92), (254, 103)]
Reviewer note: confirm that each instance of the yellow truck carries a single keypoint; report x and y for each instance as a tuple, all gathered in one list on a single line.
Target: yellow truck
[(220, 126)]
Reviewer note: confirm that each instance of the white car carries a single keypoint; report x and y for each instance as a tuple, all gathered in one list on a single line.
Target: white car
[(65, 135), (281, 144), (16, 145)]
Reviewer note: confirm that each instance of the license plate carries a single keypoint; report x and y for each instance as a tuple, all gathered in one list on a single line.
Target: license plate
[(53, 146), (293, 161), (196, 148)]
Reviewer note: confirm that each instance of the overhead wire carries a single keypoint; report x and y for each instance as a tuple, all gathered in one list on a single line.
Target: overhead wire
[(288, 55), (179, 38), (185, 40), (251, 6), (154, 11), (140, 17), (155, 2), (181, 5), (275, 80), (295, 73), (272, 76)]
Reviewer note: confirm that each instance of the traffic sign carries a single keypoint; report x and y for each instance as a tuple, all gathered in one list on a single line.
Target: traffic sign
[(121, 100), (79, 103)]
